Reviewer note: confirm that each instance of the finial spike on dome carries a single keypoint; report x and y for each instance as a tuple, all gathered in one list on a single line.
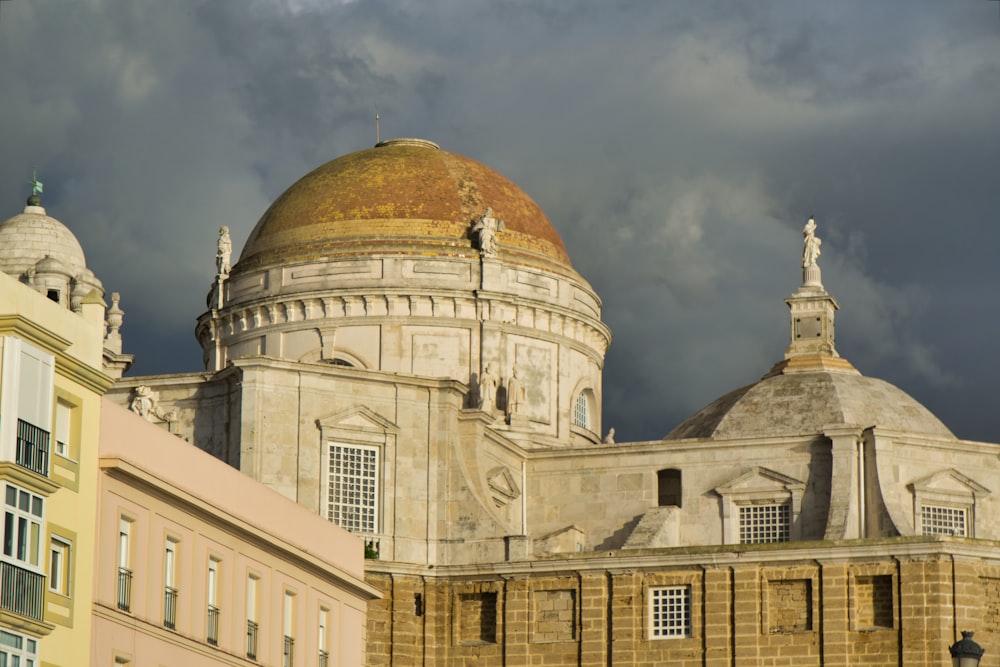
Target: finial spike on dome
[(377, 132)]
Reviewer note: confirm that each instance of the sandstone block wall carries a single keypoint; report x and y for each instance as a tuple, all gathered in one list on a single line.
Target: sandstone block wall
[(848, 611)]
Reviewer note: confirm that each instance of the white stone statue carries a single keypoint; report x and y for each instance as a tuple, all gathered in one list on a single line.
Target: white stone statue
[(144, 402), (487, 228), (609, 439), (811, 244), (515, 393), (224, 252), (488, 384)]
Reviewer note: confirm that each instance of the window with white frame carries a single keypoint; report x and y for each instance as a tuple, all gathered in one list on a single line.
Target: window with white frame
[(27, 394), (324, 652), (352, 494), (940, 520), (581, 414), (170, 584), (288, 628), (762, 524), (59, 566), (669, 612), (212, 595), (22, 527), (17, 650), (124, 564), (252, 626), (64, 412)]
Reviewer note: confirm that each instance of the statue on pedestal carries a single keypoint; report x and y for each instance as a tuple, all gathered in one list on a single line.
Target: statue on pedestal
[(488, 385), (486, 229), (224, 252)]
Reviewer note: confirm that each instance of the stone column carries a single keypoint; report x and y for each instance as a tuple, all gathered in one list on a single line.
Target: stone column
[(594, 621), (626, 617), (843, 518), (834, 616), (517, 615), (746, 616), (718, 634), (925, 611)]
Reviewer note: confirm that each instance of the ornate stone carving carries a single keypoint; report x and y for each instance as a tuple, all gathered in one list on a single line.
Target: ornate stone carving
[(488, 385), (609, 439), (146, 403), (224, 252), (115, 315), (810, 255), (486, 229), (503, 486), (515, 393)]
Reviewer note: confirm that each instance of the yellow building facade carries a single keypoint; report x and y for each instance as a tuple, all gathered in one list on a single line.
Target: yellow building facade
[(51, 382)]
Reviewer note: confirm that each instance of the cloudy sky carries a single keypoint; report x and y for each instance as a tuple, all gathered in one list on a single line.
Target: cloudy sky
[(677, 145)]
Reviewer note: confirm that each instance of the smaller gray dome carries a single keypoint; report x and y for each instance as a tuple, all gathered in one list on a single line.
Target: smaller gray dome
[(32, 236), (804, 402)]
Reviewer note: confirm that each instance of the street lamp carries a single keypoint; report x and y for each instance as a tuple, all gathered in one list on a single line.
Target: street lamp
[(965, 652)]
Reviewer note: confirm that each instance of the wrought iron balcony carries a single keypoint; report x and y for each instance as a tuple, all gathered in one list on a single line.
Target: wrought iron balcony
[(170, 608), (124, 589), (251, 640), (22, 591), (324, 659), (212, 634), (287, 654), (32, 448)]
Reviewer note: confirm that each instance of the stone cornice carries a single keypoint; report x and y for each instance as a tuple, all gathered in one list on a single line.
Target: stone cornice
[(710, 557), (585, 333)]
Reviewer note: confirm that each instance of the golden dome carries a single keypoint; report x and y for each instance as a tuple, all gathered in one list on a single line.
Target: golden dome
[(402, 197)]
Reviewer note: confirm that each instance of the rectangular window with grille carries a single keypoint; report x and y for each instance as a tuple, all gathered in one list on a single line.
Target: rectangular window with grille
[(943, 520), (670, 612), (761, 524), (352, 494)]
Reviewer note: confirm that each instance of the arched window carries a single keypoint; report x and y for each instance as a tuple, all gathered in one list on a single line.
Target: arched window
[(668, 483), (581, 416)]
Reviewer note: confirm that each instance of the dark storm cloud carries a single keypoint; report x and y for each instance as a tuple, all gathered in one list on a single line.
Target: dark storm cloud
[(677, 146)]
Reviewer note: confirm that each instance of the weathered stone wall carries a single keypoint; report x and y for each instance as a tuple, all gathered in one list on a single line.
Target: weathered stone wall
[(844, 605)]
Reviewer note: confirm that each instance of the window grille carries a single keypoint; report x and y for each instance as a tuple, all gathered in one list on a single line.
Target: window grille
[(170, 608), (32, 448), (124, 589), (580, 416), (943, 520), (670, 612), (352, 497), (252, 640), (212, 634), (761, 524)]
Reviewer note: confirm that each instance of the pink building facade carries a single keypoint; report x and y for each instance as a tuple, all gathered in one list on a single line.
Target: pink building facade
[(200, 565)]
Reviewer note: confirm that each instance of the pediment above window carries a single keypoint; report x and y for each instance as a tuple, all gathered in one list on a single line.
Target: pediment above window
[(949, 482), (358, 418), (760, 479)]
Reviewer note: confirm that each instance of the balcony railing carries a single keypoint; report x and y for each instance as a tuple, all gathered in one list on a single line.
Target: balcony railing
[(213, 625), (32, 448), (170, 608), (22, 591), (286, 655), (324, 659), (124, 589), (251, 640)]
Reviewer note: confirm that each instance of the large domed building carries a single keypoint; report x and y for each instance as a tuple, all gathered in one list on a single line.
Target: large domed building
[(404, 347)]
